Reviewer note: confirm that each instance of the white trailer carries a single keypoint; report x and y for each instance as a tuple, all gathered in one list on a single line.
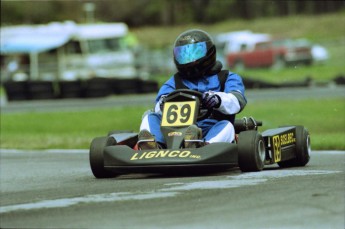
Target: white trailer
[(66, 51)]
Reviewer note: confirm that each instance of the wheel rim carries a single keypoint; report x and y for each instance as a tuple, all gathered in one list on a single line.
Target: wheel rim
[(308, 145), (261, 150)]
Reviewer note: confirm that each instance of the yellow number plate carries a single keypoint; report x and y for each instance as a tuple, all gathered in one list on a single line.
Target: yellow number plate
[(179, 113)]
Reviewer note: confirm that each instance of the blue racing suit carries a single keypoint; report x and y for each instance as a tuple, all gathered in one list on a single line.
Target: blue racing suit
[(232, 102)]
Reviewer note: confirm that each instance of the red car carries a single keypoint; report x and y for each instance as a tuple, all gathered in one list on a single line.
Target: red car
[(275, 53)]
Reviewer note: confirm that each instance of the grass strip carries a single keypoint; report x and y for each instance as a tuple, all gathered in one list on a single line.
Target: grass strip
[(74, 130)]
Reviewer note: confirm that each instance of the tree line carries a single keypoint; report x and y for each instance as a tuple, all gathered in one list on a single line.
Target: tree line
[(138, 13)]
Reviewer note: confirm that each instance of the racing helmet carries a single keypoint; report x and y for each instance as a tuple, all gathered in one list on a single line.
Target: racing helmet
[(194, 54)]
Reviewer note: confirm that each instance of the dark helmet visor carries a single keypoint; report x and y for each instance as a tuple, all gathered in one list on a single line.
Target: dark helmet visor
[(189, 53)]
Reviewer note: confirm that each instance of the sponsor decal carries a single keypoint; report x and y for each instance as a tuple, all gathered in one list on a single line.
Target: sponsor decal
[(279, 141), (175, 134), (277, 148), (286, 139), (164, 154)]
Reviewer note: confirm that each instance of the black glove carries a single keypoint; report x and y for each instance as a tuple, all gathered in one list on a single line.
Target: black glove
[(211, 100)]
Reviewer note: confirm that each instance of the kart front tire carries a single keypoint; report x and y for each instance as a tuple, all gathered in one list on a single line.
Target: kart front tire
[(251, 151), (303, 149), (97, 160)]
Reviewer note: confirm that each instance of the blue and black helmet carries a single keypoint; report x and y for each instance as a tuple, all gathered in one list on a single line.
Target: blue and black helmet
[(194, 54)]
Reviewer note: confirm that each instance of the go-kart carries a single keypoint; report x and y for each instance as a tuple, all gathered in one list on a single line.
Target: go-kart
[(117, 153)]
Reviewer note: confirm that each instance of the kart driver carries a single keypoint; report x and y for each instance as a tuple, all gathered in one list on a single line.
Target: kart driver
[(195, 59)]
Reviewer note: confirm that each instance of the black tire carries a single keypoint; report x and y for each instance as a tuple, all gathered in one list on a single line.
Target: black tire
[(41, 90), (70, 89), (303, 149), (251, 151), (125, 86), (97, 87), (97, 160), (16, 90), (148, 86)]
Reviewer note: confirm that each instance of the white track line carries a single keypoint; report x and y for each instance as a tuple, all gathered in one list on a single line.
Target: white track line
[(170, 190)]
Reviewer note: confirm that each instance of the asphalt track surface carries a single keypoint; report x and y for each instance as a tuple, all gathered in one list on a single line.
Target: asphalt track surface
[(56, 189), (148, 99)]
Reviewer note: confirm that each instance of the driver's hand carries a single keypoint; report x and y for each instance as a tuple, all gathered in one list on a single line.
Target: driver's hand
[(211, 100)]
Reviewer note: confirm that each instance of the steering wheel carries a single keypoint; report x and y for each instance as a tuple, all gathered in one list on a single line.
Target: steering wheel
[(203, 112)]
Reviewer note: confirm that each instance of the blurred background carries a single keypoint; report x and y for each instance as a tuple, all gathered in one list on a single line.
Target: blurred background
[(81, 49)]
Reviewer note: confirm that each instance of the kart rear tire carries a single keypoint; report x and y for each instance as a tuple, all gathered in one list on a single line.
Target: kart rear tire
[(303, 149), (251, 151), (97, 160)]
